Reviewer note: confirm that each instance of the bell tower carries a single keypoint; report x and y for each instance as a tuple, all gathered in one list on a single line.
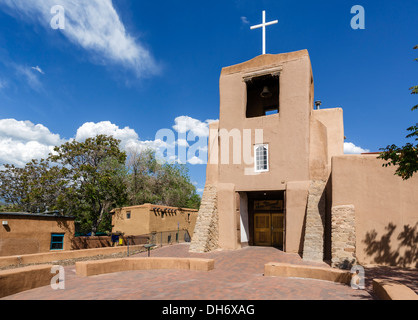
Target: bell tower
[(269, 158)]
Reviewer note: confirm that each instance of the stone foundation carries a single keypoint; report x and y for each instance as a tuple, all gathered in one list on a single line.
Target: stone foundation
[(343, 237), (206, 232), (313, 248)]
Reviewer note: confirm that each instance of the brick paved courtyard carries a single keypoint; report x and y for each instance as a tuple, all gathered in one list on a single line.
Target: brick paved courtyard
[(238, 275)]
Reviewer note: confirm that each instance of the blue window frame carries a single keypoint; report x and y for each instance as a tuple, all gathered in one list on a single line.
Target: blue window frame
[(57, 241)]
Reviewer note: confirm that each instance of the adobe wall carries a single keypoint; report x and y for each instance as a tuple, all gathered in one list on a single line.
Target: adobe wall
[(386, 209), (138, 223), (212, 167), (31, 234), (57, 256), (145, 220), (229, 222), (326, 141), (83, 243), (296, 203), (15, 281), (287, 132)]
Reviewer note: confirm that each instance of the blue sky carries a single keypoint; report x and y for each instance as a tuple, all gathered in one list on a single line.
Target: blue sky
[(133, 67)]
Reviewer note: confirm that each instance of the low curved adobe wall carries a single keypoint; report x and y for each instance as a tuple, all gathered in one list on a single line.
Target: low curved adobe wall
[(391, 290), (274, 269), (52, 257), (22, 279), (91, 268)]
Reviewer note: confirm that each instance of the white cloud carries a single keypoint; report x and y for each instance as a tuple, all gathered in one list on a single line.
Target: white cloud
[(244, 20), (185, 124), (93, 25), (195, 160), (182, 143), (22, 141), (128, 137), (90, 130), (351, 148), (37, 68), (27, 131), (28, 75)]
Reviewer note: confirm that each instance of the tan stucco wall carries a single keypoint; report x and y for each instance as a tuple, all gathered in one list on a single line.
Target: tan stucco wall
[(55, 256), (326, 141), (386, 209), (144, 220), (31, 234), (228, 222), (212, 168), (275, 269), (22, 279), (92, 268), (296, 199), (137, 225), (287, 133)]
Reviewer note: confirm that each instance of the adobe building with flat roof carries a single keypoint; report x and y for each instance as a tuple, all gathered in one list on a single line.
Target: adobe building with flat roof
[(148, 218), (277, 175), (24, 233)]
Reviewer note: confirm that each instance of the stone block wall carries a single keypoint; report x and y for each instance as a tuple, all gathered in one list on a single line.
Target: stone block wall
[(206, 232), (343, 237), (313, 248)]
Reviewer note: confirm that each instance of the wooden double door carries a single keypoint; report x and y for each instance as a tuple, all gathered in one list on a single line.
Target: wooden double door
[(269, 229)]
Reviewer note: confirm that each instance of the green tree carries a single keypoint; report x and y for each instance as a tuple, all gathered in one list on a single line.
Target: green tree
[(150, 181), (37, 187), (406, 157), (142, 172), (95, 171), (175, 188)]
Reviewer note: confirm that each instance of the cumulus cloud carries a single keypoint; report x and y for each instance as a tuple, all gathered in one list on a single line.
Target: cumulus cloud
[(351, 148), (27, 131), (185, 124), (182, 143), (129, 138), (91, 129), (195, 160), (93, 25), (22, 141)]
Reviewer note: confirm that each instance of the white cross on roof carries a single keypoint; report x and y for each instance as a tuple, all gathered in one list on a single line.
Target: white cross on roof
[(264, 25)]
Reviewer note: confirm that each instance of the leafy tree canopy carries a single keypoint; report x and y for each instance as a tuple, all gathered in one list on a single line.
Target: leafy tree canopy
[(406, 157)]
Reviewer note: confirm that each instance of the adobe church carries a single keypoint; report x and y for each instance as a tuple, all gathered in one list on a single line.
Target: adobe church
[(277, 175)]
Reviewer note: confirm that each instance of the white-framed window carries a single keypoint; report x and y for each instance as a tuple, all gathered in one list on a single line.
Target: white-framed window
[(261, 158)]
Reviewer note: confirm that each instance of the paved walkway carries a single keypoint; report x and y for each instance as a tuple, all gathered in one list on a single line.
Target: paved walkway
[(238, 275)]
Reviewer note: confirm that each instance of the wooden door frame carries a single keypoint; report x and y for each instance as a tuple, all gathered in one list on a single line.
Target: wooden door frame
[(271, 195)]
